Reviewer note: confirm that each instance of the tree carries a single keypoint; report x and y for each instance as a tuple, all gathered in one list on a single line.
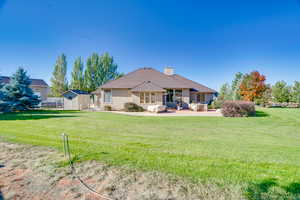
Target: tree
[(235, 86), (281, 92), (225, 92), (107, 71), (252, 86), (99, 70), (77, 81), (295, 93), (59, 79), (92, 66), (17, 95), (2, 97)]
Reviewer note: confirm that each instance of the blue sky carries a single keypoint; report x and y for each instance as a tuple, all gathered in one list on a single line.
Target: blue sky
[(207, 41)]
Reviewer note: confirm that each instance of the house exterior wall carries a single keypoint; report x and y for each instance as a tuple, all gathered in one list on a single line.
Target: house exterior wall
[(158, 97), (119, 98), (122, 96), (185, 98), (42, 91), (208, 97)]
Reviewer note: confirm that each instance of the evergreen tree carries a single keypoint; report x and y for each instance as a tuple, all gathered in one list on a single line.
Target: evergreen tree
[(235, 86), (77, 81), (59, 80), (295, 94), (17, 95), (225, 92), (281, 92), (2, 97)]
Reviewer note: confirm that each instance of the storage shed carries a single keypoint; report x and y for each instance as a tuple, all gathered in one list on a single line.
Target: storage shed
[(76, 100)]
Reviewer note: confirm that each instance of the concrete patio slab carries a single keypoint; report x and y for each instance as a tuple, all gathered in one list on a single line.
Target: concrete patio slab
[(180, 113)]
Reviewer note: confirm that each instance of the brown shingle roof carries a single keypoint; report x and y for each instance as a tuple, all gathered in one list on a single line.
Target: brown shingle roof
[(37, 82), (147, 86), (139, 77), (194, 85)]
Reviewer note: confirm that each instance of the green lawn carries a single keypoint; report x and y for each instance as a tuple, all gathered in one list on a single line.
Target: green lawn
[(206, 149)]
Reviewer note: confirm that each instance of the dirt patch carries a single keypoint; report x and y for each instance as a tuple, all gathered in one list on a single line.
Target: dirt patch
[(32, 172)]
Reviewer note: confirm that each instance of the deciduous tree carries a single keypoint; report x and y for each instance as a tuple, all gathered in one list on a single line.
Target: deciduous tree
[(77, 81), (281, 92), (59, 79), (252, 86)]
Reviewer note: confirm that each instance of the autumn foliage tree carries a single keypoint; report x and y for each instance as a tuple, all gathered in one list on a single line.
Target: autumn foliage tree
[(253, 86)]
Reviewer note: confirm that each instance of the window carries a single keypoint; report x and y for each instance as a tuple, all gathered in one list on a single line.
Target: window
[(152, 97), (142, 97), (201, 98), (178, 95), (107, 96), (147, 97), (170, 95)]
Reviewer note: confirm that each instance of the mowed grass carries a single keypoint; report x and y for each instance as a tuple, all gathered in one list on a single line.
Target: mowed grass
[(205, 149)]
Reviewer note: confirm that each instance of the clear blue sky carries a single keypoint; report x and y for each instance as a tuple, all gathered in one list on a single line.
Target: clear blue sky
[(207, 41)]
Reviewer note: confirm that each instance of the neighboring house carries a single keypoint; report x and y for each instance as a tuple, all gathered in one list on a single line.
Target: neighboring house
[(76, 100), (147, 86), (39, 86)]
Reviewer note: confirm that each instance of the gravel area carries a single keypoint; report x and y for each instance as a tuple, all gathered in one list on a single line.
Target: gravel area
[(40, 173)]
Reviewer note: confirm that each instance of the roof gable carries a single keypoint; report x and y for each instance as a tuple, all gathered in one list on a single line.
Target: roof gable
[(147, 86)]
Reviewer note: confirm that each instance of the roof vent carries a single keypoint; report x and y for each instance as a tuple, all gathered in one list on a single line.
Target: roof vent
[(169, 71)]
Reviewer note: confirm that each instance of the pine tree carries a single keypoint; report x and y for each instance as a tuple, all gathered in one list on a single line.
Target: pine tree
[(225, 92), (17, 95), (235, 86), (59, 80), (77, 81)]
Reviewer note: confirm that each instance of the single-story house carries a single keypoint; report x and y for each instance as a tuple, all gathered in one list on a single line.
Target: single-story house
[(76, 100), (147, 86), (39, 86)]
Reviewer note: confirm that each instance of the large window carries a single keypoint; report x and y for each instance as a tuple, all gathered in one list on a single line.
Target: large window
[(174, 95), (107, 96), (201, 98), (147, 97), (170, 94)]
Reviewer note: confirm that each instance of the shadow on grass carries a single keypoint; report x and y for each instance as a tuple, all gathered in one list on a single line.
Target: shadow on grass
[(270, 189), (36, 115), (259, 113)]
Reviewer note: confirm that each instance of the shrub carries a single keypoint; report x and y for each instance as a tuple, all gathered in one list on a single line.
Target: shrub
[(217, 104), (238, 109), (107, 108), (132, 107)]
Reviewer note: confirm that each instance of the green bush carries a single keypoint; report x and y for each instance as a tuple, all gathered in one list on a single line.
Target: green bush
[(217, 104), (132, 107), (238, 109), (107, 108)]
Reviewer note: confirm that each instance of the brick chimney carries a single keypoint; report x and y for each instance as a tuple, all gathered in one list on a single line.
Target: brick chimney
[(169, 71)]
